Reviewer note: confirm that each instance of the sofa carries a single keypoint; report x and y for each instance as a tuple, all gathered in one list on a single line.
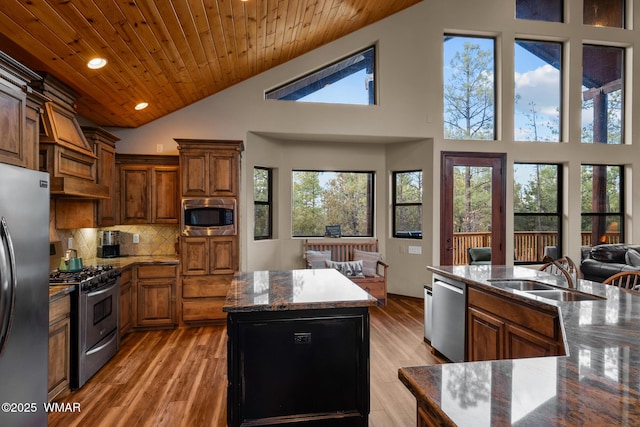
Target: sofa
[(603, 261)]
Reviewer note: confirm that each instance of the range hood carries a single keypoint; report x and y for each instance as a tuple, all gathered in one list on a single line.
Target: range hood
[(64, 151)]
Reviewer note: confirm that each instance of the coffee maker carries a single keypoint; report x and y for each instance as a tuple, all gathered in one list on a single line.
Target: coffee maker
[(109, 246)]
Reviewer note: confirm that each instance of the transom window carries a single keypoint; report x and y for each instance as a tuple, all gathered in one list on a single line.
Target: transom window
[(540, 10), (537, 211), (469, 88), (407, 204), (323, 198), (348, 81)]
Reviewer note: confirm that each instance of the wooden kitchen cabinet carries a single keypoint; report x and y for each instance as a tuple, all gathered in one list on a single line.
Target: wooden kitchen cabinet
[(59, 346), (19, 114), (149, 189), (208, 265), (209, 168), (126, 301), (503, 328), (105, 148), (155, 295)]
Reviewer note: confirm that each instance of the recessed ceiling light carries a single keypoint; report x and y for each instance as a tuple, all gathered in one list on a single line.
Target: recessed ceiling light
[(142, 106), (96, 63)]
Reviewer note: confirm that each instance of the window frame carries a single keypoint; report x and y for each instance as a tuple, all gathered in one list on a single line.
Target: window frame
[(557, 214), (622, 203), (395, 204), (371, 210), (495, 128), (322, 76), (268, 203), (561, 100)]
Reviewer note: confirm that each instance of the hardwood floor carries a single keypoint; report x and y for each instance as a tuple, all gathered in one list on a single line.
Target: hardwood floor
[(178, 377)]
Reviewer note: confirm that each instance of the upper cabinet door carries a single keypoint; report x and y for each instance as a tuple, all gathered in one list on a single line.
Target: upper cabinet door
[(195, 174), (224, 174), (12, 111)]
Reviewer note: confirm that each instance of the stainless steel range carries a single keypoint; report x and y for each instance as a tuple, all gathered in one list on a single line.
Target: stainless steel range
[(94, 319)]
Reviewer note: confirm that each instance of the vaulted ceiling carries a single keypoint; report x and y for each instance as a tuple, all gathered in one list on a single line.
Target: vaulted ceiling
[(170, 53)]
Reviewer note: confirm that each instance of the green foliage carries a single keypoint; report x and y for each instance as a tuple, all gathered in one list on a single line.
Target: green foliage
[(408, 190), (344, 198), (472, 199)]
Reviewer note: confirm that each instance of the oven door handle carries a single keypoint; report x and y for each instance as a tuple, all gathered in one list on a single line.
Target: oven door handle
[(102, 291), (106, 344)]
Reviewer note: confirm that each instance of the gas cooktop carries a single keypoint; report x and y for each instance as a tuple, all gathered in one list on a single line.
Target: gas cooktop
[(87, 273)]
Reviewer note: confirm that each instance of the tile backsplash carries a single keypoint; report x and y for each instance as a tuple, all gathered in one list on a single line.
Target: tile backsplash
[(154, 239)]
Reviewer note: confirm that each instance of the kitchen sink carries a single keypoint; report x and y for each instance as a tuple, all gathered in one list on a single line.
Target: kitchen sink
[(522, 285), (564, 295)]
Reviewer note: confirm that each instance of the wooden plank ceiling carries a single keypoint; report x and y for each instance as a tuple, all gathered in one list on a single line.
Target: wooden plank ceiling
[(170, 53)]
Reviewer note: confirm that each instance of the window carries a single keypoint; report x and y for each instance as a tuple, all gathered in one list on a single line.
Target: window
[(322, 198), (603, 13), (538, 87), (537, 211), (602, 94), (602, 204), (540, 10), (469, 88), (348, 81), (407, 204), (262, 203)]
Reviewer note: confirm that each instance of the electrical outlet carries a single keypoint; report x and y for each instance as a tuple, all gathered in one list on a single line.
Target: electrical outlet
[(159, 148), (136, 238), (70, 243)]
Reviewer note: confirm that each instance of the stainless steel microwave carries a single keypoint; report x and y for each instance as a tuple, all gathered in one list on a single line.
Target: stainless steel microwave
[(208, 217)]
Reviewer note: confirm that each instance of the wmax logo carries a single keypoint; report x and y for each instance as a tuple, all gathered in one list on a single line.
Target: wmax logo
[(62, 407)]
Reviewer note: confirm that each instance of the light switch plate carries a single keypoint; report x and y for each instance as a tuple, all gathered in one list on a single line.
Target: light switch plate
[(415, 250), (136, 238)]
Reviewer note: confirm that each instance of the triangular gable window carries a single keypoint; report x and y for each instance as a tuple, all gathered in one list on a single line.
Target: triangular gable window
[(348, 81)]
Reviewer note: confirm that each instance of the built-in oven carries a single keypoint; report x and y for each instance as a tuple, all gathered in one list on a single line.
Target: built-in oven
[(208, 216)]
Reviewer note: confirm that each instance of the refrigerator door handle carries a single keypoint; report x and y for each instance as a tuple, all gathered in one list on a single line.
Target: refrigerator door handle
[(7, 283)]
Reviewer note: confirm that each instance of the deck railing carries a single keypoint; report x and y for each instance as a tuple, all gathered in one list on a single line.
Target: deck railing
[(528, 246)]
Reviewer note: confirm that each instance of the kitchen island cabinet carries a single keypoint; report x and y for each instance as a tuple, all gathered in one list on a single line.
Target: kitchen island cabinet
[(298, 349), (596, 383)]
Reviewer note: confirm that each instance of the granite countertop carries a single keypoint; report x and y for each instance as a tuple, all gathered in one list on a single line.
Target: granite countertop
[(596, 383), (294, 290), (58, 291), (126, 261)]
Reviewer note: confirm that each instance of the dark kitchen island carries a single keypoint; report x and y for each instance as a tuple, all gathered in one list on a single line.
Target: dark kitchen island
[(298, 349)]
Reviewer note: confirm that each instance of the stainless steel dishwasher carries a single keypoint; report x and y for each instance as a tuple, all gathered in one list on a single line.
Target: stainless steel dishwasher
[(449, 318)]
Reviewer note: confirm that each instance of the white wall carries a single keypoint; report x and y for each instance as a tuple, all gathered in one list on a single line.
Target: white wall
[(403, 132)]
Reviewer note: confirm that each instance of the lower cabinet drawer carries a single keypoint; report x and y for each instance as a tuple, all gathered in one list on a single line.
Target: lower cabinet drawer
[(203, 309), (59, 309), (209, 286)]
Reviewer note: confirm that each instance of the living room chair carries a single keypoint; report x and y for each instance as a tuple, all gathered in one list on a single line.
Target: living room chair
[(625, 280)]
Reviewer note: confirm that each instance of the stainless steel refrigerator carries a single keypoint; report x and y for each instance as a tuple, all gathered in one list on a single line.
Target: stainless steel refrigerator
[(24, 295)]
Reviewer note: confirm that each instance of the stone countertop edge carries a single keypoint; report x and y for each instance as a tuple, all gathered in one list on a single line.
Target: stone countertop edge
[(288, 290), (580, 394), (58, 291)]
